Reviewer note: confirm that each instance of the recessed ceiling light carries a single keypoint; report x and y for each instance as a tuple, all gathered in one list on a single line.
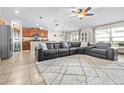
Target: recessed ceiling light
[(16, 11), (41, 27), (37, 25), (18, 21)]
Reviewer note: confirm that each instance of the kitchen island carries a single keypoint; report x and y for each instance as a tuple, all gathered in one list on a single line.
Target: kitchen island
[(34, 44), (26, 45)]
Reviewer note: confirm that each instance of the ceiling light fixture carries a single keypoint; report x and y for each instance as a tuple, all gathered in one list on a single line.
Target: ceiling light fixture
[(80, 15), (41, 23), (16, 11), (63, 33)]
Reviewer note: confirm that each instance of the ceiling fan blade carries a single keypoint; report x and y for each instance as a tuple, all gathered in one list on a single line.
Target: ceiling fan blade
[(87, 9), (88, 14), (80, 10), (73, 16), (74, 12)]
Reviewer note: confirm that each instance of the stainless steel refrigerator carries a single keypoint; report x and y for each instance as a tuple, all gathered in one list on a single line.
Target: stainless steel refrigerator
[(6, 44)]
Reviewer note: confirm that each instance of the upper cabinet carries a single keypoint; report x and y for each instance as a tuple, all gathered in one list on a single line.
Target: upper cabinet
[(46, 34), (2, 22), (29, 32)]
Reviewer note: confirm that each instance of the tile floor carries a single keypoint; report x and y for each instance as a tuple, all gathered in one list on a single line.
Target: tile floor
[(21, 69)]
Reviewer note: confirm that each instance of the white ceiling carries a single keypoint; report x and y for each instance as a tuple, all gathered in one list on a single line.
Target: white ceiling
[(29, 17)]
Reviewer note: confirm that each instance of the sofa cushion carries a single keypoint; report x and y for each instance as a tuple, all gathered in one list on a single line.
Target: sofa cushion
[(50, 52), (103, 45), (99, 51), (88, 49), (65, 45), (63, 50), (83, 44), (50, 45), (80, 48), (57, 45), (69, 44), (75, 44), (73, 48), (44, 46)]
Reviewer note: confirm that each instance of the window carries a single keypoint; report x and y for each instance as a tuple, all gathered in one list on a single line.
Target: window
[(113, 35), (75, 37), (117, 35), (103, 35)]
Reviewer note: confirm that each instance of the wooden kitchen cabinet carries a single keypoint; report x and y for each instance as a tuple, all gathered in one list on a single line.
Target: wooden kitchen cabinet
[(2, 22), (42, 34), (23, 32), (29, 32), (26, 45), (45, 34)]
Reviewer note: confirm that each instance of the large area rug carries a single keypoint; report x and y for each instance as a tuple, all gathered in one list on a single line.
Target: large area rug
[(81, 70)]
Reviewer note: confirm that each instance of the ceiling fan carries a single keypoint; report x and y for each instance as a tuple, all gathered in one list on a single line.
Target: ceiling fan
[(83, 12)]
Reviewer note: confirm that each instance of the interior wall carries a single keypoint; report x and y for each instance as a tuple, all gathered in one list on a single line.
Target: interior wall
[(66, 37), (91, 34), (3, 14), (111, 25), (90, 31), (0, 11), (55, 36), (73, 33)]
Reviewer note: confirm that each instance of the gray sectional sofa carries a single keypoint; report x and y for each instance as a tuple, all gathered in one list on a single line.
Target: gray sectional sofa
[(102, 50)]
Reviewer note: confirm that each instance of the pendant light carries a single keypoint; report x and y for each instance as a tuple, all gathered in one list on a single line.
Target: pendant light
[(62, 32), (41, 23)]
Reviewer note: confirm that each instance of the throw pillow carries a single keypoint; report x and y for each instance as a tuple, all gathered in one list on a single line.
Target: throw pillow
[(50, 45), (69, 44), (83, 44), (40, 45), (65, 45), (57, 46), (44, 46)]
